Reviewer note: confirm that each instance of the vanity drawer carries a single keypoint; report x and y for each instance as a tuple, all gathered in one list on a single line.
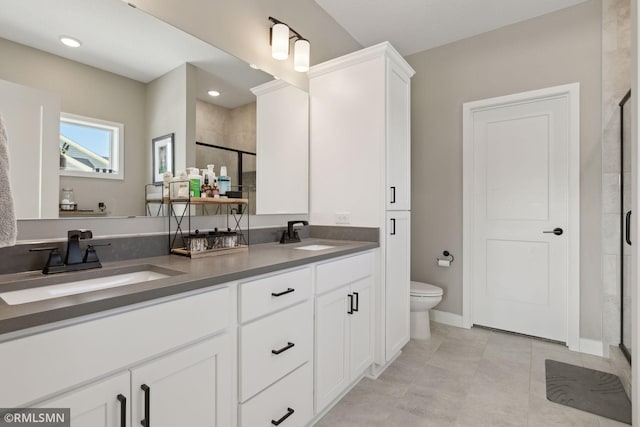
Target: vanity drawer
[(259, 365), (334, 274), (264, 296), (292, 394)]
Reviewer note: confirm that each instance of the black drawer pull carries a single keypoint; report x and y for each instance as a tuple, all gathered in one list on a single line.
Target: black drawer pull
[(627, 234), (279, 294), (350, 304), (393, 194), (284, 417), (357, 301), (393, 226), (283, 349), (146, 422), (123, 410)]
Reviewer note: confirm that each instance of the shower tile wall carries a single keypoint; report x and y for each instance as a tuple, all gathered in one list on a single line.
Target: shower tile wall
[(616, 78)]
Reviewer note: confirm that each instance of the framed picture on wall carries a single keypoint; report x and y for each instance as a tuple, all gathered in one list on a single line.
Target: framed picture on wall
[(162, 153)]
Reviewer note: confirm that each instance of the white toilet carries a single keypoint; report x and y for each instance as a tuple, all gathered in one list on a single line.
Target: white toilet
[(423, 298)]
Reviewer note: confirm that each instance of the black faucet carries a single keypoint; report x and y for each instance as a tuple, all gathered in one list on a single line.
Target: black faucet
[(74, 261), (74, 255), (290, 235)]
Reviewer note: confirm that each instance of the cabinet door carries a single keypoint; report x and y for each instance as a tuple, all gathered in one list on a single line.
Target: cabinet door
[(332, 370), (398, 140), (397, 282), (190, 387), (361, 327), (97, 405)]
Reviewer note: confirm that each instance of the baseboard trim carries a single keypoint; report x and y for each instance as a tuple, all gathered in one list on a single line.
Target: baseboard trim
[(447, 318), (592, 347), (376, 370)]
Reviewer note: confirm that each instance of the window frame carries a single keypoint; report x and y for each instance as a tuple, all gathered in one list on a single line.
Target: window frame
[(117, 146)]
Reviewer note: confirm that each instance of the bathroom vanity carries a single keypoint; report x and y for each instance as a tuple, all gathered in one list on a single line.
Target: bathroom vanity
[(247, 339)]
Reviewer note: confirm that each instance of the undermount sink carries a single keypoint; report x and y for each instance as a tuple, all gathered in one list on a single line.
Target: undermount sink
[(314, 247), (105, 280)]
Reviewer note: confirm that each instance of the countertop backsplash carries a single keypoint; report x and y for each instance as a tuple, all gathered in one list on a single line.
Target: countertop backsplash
[(16, 259)]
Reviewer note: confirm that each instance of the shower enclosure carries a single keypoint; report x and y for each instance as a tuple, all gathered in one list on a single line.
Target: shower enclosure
[(625, 221)]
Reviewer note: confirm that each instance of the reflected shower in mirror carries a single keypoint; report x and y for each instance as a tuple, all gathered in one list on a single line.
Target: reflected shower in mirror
[(147, 76)]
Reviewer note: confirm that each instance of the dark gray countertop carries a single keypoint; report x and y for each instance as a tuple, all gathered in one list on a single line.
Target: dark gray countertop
[(193, 274)]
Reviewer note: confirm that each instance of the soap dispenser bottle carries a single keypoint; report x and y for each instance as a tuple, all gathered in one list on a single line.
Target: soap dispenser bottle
[(224, 182)]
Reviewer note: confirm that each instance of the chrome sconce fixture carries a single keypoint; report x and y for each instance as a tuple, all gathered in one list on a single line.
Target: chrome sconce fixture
[(280, 38)]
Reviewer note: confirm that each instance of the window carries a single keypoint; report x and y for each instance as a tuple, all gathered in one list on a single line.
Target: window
[(91, 147)]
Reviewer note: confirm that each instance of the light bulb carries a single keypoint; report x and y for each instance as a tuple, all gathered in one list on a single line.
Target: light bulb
[(280, 41), (301, 55)]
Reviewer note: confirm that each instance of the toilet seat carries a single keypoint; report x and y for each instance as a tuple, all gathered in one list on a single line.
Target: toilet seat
[(420, 289)]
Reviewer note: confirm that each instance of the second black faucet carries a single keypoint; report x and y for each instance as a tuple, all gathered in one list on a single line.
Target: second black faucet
[(290, 235)]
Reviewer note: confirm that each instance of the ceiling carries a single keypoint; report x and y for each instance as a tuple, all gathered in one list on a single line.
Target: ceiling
[(118, 38), (417, 25)]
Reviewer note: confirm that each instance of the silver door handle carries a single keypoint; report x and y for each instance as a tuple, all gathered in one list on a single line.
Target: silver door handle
[(557, 231)]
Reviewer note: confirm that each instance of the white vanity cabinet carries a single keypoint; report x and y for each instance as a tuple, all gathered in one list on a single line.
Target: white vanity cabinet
[(180, 348), (187, 387), (249, 353), (344, 325), (360, 144), (276, 349)]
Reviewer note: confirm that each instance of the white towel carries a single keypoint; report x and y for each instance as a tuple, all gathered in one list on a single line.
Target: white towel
[(8, 226)]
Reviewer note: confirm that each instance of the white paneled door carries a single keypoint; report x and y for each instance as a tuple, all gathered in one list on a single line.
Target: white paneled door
[(520, 244)]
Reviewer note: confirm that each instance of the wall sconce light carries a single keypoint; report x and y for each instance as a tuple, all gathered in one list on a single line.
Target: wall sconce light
[(280, 38)]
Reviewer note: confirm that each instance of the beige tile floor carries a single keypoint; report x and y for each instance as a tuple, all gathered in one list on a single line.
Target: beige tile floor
[(470, 378)]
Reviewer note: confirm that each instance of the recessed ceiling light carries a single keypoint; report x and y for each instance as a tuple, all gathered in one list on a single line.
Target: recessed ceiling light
[(70, 41), (213, 93), (254, 66)]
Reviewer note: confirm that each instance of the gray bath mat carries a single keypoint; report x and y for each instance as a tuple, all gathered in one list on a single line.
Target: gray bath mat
[(588, 390)]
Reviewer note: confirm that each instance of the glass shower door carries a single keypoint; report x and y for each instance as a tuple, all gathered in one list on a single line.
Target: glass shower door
[(625, 241)]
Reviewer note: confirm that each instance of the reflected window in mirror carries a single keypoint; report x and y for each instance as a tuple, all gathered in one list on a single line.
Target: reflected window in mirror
[(91, 148)]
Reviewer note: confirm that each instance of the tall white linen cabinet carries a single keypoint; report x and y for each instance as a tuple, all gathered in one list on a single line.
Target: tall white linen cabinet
[(360, 148)]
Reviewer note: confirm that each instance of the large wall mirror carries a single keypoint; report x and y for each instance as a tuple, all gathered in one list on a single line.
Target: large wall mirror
[(84, 118)]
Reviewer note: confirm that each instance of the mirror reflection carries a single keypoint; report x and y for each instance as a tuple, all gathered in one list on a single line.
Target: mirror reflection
[(83, 118)]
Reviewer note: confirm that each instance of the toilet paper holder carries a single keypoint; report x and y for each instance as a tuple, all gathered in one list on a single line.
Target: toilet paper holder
[(448, 258)]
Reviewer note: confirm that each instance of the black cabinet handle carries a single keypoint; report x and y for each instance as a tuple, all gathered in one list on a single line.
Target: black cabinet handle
[(146, 422), (279, 294), (357, 301), (283, 349), (123, 410), (350, 304), (393, 226), (284, 417), (393, 195), (627, 233)]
